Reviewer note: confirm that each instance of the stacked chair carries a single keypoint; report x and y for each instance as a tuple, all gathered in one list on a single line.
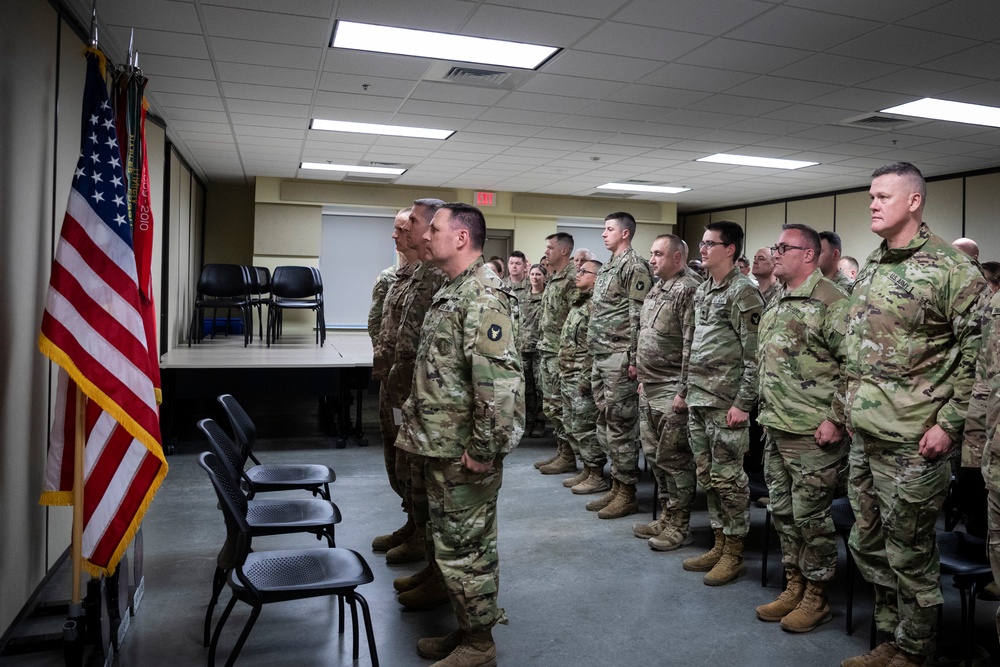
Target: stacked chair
[(222, 286), (295, 288), (260, 577)]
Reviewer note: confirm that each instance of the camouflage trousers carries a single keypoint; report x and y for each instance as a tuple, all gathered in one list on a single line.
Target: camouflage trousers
[(617, 400), (551, 392), (897, 495), (664, 436), (463, 525), (802, 483), (993, 519), (580, 419), (718, 458), (532, 362), (389, 430), (411, 475)]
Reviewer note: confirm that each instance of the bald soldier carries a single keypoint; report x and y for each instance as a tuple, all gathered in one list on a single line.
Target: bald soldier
[(912, 340), (763, 271), (464, 415)]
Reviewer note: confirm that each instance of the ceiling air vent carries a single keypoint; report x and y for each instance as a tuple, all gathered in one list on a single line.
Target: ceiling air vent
[(604, 194), (475, 76), (879, 121), (636, 181), (388, 165), (369, 178)]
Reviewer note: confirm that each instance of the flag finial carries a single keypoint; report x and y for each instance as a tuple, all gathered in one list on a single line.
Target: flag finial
[(93, 27)]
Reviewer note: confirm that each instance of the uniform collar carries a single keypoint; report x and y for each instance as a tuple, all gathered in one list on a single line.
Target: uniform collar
[(804, 290), (922, 236)]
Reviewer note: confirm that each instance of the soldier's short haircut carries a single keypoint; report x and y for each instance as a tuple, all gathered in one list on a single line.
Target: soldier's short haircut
[(596, 262), (991, 271), (624, 221), (833, 238), (674, 243), (434, 205), (853, 262), (519, 255), (731, 233), (809, 235), (471, 219), (907, 171), (404, 211), (563, 239)]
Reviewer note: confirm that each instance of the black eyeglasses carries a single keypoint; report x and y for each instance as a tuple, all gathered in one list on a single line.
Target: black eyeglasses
[(592, 273), (782, 248), (710, 244)]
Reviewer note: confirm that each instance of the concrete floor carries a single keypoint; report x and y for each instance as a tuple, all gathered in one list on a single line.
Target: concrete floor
[(579, 591)]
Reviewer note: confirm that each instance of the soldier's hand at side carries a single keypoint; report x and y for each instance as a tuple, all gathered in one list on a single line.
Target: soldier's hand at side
[(680, 405), (474, 465), (829, 433), (638, 389), (936, 442), (736, 417), (633, 372)]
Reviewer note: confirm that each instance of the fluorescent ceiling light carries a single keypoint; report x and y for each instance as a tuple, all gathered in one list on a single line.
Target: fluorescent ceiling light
[(443, 46), (751, 161), (957, 112), (386, 130), (635, 187), (351, 167)]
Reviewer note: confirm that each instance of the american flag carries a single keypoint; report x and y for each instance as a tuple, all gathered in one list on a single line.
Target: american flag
[(93, 329)]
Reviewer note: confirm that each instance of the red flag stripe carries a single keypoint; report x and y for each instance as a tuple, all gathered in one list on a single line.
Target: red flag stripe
[(131, 507)]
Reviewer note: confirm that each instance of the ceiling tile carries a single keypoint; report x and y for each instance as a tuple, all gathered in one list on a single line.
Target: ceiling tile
[(982, 61), (451, 92), (976, 19), (834, 69), (523, 25), (903, 46), (594, 65), (635, 41), (265, 75), (706, 18), (814, 30), (267, 27), (743, 56), (248, 91), (264, 53), (570, 86)]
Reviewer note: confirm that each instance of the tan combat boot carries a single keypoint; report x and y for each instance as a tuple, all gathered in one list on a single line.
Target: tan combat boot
[(621, 505), (812, 612), (651, 529), (565, 462), (676, 533), (475, 650), (904, 659), (545, 462), (707, 560), (795, 587), (383, 543), (428, 594), (595, 482), (577, 478), (730, 567), (880, 656), (411, 581), (605, 500), (435, 648), (413, 549)]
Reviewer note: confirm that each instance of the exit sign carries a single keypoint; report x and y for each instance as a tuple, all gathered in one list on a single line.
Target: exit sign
[(486, 199)]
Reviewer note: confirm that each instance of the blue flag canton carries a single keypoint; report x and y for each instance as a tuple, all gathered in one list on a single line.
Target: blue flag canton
[(99, 175)]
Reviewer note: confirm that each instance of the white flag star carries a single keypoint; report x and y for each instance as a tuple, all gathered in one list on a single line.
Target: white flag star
[(108, 123), (112, 142), (95, 157), (120, 219), (97, 177), (119, 201), (79, 173), (93, 120), (97, 196), (114, 162), (93, 138), (105, 105), (117, 182)]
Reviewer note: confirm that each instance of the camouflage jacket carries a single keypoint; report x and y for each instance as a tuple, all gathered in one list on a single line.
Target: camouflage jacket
[(842, 281), (722, 372), (769, 293), (468, 393), (560, 292), (981, 441), (420, 290), (531, 320), (666, 327), (392, 314), (385, 280), (619, 290), (913, 334), (574, 354), (799, 353)]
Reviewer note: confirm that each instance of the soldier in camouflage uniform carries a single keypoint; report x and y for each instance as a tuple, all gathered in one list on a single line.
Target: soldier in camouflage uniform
[(982, 429), (517, 274), (666, 327), (465, 414), (829, 260), (385, 280), (912, 339), (559, 294), (576, 367), (722, 389), (383, 344), (763, 271), (799, 353), (530, 304), (619, 292)]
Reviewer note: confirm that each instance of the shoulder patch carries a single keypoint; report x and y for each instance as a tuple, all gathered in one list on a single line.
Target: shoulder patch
[(495, 335), (641, 283)]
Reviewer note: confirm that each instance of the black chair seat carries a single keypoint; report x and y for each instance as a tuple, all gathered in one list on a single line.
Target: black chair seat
[(282, 575), (278, 477), (963, 554), (275, 517)]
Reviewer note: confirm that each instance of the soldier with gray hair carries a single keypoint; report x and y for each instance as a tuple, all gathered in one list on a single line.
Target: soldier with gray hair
[(913, 334), (799, 354), (583, 255)]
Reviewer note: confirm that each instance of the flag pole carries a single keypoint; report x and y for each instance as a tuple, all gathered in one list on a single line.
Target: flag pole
[(79, 433)]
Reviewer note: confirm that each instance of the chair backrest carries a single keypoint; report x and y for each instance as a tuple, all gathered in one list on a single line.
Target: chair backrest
[(224, 280), (234, 510), (296, 282), (243, 427), (223, 447), (263, 279)]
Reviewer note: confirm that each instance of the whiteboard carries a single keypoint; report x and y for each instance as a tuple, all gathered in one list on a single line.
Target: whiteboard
[(354, 249), (586, 234)]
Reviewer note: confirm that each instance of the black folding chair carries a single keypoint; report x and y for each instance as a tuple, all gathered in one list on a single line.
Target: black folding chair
[(222, 286), (295, 288)]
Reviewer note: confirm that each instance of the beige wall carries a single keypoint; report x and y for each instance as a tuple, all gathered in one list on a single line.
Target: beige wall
[(229, 224)]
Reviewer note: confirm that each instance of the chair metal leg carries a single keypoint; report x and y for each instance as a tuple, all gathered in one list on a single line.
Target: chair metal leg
[(218, 581), (213, 647), (767, 547), (340, 614), (254, 613), (354, 627)]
